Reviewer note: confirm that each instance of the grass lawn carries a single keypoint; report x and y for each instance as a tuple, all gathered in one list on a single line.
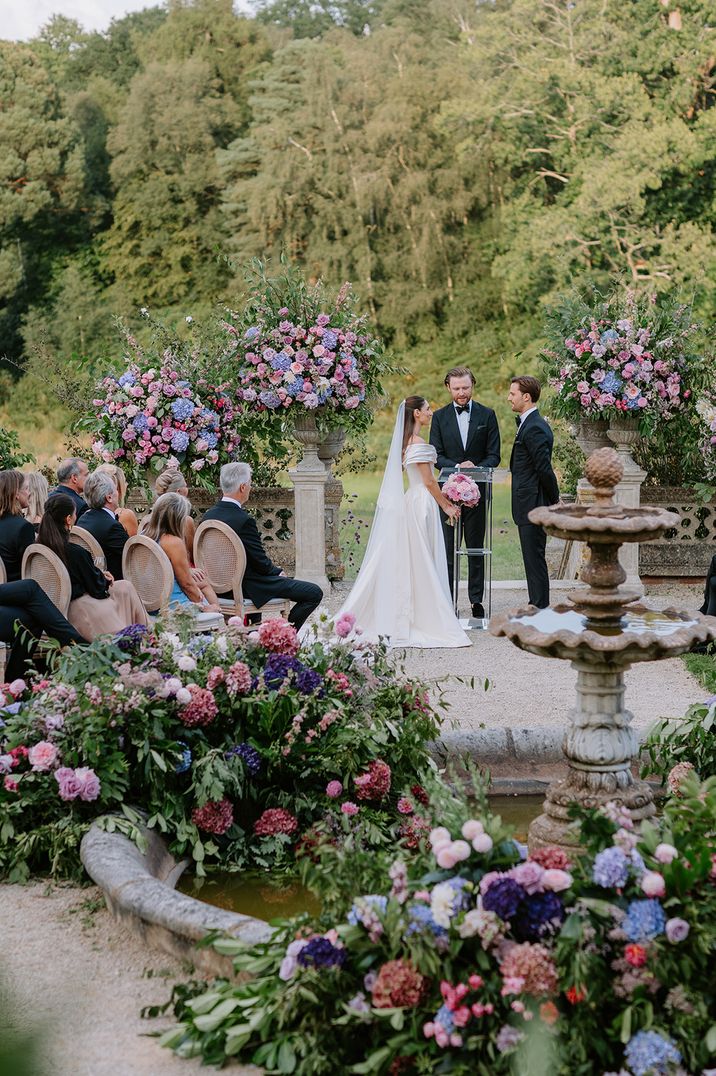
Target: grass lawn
[(703, 667), (361, 493)]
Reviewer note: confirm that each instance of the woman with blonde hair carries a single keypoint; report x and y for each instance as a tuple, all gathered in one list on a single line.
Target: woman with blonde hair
[(99, 605), (16, 534), (171, 480), (167, 526), (38, 488), (126, 516)]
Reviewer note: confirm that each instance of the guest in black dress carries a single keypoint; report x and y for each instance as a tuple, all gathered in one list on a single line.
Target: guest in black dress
[(16, 534)]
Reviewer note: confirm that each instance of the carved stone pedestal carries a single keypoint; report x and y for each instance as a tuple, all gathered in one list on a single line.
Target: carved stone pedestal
[(625, 434)]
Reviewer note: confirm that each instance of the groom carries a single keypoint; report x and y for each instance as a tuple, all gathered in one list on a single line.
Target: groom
[(465, 434)]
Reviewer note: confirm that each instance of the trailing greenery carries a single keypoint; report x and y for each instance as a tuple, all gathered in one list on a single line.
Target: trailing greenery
[(690, 740)]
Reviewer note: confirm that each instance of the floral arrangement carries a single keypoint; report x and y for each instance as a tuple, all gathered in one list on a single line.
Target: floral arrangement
[(474, 956), (233, 746), (621, 355), (300, 351), (461, 489), (152, 412), (706, 410)]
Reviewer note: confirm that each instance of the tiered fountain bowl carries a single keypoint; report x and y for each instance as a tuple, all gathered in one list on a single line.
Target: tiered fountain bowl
[(602, 631)]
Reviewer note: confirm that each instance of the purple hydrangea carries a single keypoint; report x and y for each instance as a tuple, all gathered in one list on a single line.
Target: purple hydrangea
[(278, 667), (281, 361), (421, 921), (270, 399), (130, 639), (503, 897), (538, 915), (320, 953), (248, 755), (329, 340), (650, 1053), (180, 440), (182, 409), (308, 681), (611, 868), (140, 422), (644, 920), (127, 379)]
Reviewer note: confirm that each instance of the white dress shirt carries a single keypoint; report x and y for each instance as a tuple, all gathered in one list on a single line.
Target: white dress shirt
[(463, 421), (232, 500), (524, 414)]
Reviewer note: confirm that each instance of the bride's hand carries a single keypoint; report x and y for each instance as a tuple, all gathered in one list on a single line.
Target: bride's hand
[(452, 512)]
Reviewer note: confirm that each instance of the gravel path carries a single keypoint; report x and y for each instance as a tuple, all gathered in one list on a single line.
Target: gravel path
[(79, 978)]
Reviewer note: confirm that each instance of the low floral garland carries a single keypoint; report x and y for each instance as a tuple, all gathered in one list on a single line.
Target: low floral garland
[(621, 355), (473, 956), (232, 747)]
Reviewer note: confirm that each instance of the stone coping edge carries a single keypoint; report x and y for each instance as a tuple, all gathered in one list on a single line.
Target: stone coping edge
[(490, 745), (139, 890)]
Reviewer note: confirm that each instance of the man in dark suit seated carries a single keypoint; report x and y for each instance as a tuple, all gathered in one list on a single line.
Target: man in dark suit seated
[(25, 613), (465, 434), (534, 482), (71, 477), (263, 579), (101, 521)]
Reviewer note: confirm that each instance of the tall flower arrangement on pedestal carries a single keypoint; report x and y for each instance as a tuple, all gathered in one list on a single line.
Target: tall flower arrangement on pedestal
[(706, 409)]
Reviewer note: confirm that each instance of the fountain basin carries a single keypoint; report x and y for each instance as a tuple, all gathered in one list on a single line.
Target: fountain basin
[(608, 524)]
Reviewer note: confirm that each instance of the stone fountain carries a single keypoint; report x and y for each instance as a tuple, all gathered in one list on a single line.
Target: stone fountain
[(602, 630)]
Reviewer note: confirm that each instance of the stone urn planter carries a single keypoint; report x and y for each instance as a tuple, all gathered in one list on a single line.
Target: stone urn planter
[(591, 434)]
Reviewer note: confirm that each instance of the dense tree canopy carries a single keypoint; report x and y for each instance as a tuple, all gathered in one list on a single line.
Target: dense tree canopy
[(461, 164)]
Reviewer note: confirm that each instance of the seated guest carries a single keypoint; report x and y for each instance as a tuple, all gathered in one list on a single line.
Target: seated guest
[(99, 606), (171, 480), (126, 516), (709, 606), (16, 534), (71, 477), (263, 579), (166, 525), (38, 490), (26, 611), (100, 520)]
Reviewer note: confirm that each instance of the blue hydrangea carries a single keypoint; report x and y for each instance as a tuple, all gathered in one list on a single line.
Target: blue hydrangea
[(295, 387), (281, 361), (309, 681), (251, 333), (323, 395), (270, 399), (609, 336), (248, 755), (210, 437), (329, 340), (633, 404), (644, 920), (611, 383), (421, 921), (182, 409), (210, 417), (127, 379), (611, 868), (180, 440), (650, 1054), (140, 422), (371, 900), (186, 758), (445, 1018)]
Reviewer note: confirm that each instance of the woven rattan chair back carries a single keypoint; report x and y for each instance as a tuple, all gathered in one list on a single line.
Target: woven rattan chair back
[(146, 565), (220, 553), (83, 538), (48, 571)]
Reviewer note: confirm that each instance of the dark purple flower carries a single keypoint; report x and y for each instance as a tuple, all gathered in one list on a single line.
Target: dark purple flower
[(308, 681), (130, 639), (537, 915), (503, 897), (249, 756), (320, 953), (278, 667)]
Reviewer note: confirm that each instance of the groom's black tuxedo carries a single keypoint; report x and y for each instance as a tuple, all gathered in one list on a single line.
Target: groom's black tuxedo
[(534, 483), (483, 448)]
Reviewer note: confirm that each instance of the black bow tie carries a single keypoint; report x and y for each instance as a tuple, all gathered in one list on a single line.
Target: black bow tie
[(462, 409)]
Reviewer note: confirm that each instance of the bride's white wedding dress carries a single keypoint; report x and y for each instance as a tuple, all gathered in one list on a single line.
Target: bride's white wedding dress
[(402, 592)]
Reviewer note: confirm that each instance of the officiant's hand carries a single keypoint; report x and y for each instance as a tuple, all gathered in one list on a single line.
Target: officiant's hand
[(466, 463)]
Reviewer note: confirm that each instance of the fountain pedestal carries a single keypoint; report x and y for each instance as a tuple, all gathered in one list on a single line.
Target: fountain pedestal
[(601, 631)]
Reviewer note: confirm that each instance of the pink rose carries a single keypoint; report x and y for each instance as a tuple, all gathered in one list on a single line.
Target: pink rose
[(665, 853), (529, 875), (43, 756), (676, 930), (556, 880), (334, 789), (17, 687), (70, 785), (89, 782), (652, 884)]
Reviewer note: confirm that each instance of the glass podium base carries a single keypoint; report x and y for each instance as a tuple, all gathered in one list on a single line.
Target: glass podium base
[(474, 623)]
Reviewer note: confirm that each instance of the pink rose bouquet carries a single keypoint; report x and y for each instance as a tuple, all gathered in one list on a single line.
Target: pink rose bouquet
[(462, 490)]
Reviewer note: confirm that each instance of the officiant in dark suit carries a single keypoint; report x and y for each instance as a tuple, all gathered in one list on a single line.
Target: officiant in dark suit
[(465, 433), (263, 579), (534, 482)]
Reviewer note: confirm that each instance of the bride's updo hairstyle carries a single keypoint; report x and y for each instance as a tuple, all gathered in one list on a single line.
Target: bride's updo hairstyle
[(412, 404)]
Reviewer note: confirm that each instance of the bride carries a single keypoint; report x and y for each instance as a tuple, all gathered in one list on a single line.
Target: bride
[(402, 591)]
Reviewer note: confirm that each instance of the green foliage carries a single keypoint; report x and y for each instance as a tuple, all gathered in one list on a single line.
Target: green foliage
[(690, 739), (703, 667), (11, 455)]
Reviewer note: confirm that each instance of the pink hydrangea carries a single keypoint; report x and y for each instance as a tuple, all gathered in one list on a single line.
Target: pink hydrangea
[(375, 784), (201, 709), (278, 636), (214, 817), (334, 789), (43, 756), (275, 820), (238, 679), (677, 775), (216, 676)]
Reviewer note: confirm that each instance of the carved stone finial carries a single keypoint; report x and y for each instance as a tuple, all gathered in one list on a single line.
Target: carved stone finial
[(604, 470)]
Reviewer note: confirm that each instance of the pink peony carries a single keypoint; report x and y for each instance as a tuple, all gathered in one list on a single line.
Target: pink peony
[(472, 828), (482, 843), (43, 756), (528, 875), (556, 880), (349, 808), (461, 850), (676, 930), (439, 837), (17, 687), (652, 884), (334, 789), (278, 636), (445, 857)]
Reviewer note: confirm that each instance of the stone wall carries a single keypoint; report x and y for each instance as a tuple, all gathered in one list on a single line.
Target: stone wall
[(687, 549)]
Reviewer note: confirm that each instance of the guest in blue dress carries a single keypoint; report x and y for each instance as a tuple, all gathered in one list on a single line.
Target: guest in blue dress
[(166, 526)]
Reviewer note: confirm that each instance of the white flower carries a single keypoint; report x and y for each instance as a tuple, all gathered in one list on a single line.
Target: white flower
[(170, 639), (172, 685), (183, 696), (144, 312), (442, 899), (188, 319), (471, 924), (186, 663), (221, 643)]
